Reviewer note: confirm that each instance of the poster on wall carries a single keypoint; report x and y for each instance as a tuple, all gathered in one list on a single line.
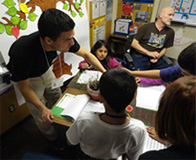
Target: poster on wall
[(185, 11), (99, 29), (95, 9), (109, 10), (18, 18), (102, 8)]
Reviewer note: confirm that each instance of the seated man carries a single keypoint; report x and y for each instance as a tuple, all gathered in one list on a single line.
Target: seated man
[(152, 40), (186, 66)]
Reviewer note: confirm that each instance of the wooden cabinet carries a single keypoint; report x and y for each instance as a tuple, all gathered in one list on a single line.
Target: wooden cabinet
[(10, 112)]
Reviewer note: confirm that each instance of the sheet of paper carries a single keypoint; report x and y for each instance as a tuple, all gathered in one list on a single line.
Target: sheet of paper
[(88, 75), (151, 144), (148, 96), (94, 106)]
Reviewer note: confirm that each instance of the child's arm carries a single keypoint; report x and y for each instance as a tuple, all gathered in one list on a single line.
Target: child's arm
[(84, 65), (151, 81)]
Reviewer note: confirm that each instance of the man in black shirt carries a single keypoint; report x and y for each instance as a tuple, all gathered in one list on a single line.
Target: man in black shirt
[(30, 60), (152, 40)]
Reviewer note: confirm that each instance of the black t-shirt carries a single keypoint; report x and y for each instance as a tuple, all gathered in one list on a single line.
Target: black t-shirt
[(27, 58), (150, 38), (173, 152)]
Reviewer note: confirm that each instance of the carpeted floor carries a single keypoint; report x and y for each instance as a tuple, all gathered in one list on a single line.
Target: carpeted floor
[(26, 138)]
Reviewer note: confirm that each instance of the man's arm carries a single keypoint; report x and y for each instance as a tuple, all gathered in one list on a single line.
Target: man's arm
[(135, 44), (151, 74), (90, 58), (163, 51), (30, 95)]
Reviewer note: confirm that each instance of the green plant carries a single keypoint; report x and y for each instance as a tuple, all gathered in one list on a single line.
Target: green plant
[(94, 84)]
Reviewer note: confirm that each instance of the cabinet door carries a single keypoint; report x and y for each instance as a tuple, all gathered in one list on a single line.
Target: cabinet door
[(10, 112)]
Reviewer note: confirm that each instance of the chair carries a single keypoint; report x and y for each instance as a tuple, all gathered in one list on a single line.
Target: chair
[(127, 53)]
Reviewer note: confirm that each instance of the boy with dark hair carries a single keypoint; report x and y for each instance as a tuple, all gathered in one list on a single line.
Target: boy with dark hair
[(110, 134)]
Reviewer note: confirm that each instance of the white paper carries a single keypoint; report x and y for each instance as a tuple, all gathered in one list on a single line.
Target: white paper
[(151, 144), (88, 75), (94, 106), (148, 96), (102, 7), (95, 9), (19, 96)]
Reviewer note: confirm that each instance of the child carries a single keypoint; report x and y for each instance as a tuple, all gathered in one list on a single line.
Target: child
[(110, 134), (104, 54), (175, 121)]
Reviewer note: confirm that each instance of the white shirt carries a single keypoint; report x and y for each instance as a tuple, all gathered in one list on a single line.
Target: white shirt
[(99, 139)]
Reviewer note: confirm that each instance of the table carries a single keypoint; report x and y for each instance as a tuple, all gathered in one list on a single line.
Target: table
[(147, 116)]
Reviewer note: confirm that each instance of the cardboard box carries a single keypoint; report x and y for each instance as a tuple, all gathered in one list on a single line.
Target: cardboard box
[(122, 26)]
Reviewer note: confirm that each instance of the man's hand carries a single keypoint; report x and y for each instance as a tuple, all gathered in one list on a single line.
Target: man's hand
[(154, 55), (153, 60), (47, 116)]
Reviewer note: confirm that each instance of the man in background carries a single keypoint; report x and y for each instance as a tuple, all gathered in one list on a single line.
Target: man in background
[(152, 40), (186, 66)]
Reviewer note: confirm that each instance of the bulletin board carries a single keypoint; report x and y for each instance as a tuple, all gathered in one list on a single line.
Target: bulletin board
[(140, 11), (100, 19), (185, 11)]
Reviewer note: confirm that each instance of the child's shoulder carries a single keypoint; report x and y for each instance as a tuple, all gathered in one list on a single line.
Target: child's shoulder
[(136, 123), (87, 117)]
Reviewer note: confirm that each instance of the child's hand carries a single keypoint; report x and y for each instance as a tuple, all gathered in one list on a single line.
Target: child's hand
[(153, 134), (85, 66), (137, 80)]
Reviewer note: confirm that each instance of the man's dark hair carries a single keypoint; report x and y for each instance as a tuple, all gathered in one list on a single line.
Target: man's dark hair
[(53, 22), (187, 59), (118, 87)]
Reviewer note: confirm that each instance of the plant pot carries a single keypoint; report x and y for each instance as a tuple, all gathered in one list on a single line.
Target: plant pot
[(93, 94)]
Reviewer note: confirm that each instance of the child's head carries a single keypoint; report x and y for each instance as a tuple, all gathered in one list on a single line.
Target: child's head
[(187, 60), (102, 51), (118, 87), (175, 119)]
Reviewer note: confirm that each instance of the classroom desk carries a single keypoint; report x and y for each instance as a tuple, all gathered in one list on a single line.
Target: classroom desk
[(147, 116)]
